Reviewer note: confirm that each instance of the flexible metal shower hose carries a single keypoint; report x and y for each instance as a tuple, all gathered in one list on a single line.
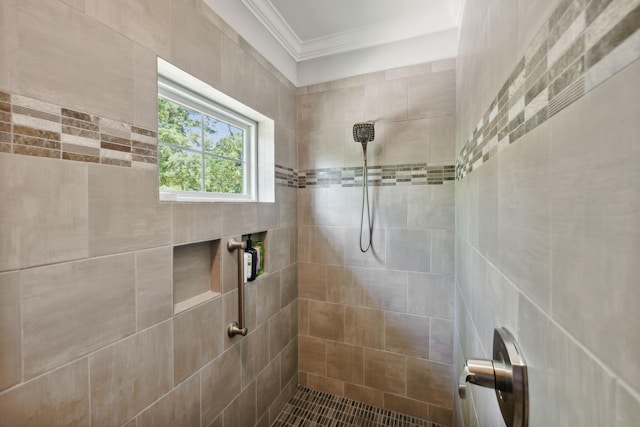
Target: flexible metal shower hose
[(365, 197)]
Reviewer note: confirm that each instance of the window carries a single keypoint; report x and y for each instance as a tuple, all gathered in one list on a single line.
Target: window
[(203, 147), (211, 147)]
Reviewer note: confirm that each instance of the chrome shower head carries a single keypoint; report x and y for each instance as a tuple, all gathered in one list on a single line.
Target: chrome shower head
[(363, 132)]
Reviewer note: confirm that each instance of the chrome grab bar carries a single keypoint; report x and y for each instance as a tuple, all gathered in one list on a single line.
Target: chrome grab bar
[(237, 328)]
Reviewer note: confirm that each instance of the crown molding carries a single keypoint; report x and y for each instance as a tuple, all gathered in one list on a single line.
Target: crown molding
[(346, 41)]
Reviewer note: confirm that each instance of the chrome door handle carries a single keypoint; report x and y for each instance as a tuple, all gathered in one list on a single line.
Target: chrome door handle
[(506, 374)]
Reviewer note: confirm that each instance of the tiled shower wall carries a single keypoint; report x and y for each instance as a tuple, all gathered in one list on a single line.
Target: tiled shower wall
[(378, 327), (87, 331), (548, 204)]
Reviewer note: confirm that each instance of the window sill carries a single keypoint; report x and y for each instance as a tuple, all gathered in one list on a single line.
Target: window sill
[(170, 196)]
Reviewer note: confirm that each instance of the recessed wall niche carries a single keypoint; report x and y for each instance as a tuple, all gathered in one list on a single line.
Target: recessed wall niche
[(196, 274)]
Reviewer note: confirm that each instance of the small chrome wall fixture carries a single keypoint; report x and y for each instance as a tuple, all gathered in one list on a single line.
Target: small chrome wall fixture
[(506, 373)]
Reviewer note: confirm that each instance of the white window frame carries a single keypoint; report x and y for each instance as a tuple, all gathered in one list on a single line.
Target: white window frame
[(264, 190), (176, 93)]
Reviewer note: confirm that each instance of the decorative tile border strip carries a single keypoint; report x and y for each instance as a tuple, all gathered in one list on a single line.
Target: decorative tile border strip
[(286, 176), (315, 408), (36, 128), (582, 44), (387, 175)]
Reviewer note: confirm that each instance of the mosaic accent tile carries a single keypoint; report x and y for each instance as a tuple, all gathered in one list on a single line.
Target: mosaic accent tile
[(32, 127), (286, 177), (314, 408), (582, 44), (384, 175)]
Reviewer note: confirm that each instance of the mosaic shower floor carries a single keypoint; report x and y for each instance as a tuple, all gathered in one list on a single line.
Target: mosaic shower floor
[(311, 408)]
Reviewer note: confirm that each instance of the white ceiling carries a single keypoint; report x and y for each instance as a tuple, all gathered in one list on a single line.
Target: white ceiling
[(313, 41), (310, 29)]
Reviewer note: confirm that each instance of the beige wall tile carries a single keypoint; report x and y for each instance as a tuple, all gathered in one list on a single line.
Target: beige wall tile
[(345, 362), (431, 295), (364, 394), (124, 212), (180, 407), (312, 355), (293, 313), (220, 382), (268, 297), (195, 222), (386, 100), (407, 334), (326, 320), (238, 69), (364, 327), (343, 207), (385, 371), (289, 362), (191, 37), (60, 397), (430, 382), (322, 245), (531, 16), (143, 22), (10, 330), (44, 219), (312, 206), (627, 407), (239, 221), (279, 327), (255, 353), (374, 258), (229, 265), (432, 95), (75, 308), (345, 285), (268, 386), (443, 139), (409, 250), (287, 200), (386, 290), (487, 210), (440, 415), (129, 375), (441, 341), (442, 251), (89, 58), (525, 225), (278, 249), (408, 142), (303, 316), (288, 285), (326, 385), (430, 206), (197, 338), (407, 406), (154, 288), (595, 235), (145, 88), (388, 204), (312, 281), (242, 411)]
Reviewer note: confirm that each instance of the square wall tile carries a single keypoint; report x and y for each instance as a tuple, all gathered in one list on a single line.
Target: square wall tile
[(129, 375), (407, 334), (124, 212), (196, 338), (326, 320), (196, 222), (75, 308), (180, 407), (386, 290), (364, 327), (409, 250), (385, 371), (44, 218), (10, 330), (60, 397), (154, 287), (220, 383), (345, 362)]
